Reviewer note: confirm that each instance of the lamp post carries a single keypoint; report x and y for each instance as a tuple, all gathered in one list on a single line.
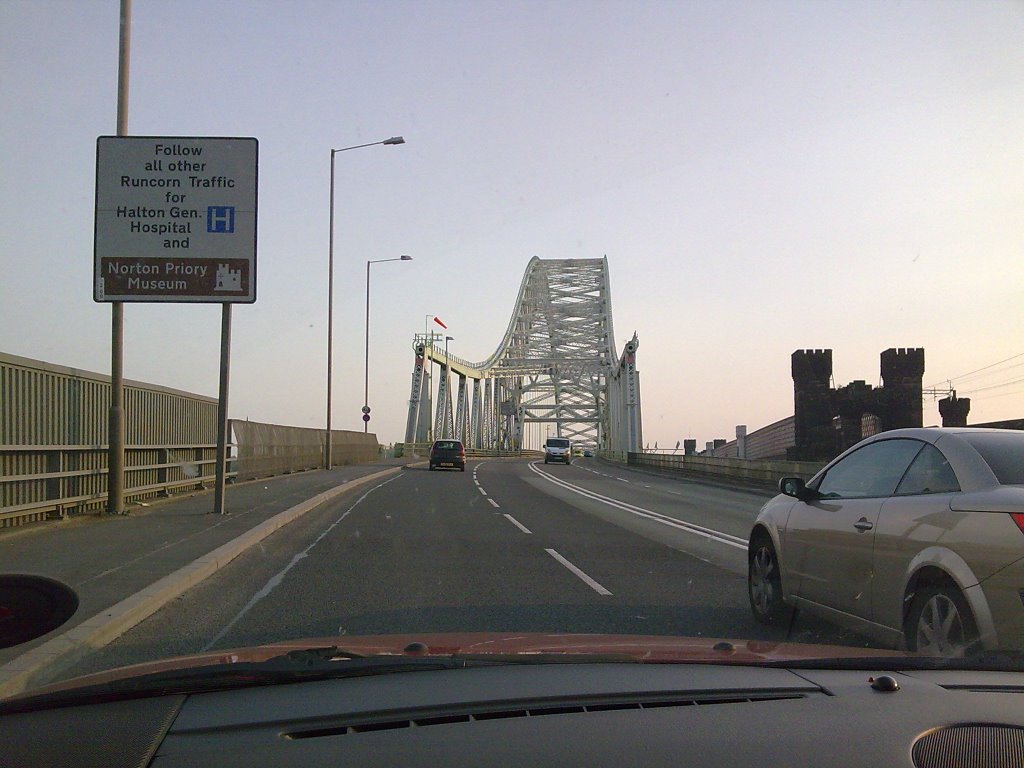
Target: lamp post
[(366, 364), (330, 289)]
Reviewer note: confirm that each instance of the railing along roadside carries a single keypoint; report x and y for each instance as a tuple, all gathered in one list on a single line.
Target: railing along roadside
[(423, 449), (763, 472), (42, 481)]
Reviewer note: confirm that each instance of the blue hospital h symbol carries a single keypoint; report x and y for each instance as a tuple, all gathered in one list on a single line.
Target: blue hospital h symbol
[(220, 218)]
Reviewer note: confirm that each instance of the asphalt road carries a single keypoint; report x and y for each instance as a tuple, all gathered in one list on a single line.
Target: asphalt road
[(508, 545)]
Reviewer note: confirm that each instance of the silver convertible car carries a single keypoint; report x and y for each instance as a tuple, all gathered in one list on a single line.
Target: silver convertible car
[(914, 537)]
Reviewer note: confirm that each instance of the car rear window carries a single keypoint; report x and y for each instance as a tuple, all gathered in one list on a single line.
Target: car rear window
[(1003, 452), (557, 442), (448, 445)]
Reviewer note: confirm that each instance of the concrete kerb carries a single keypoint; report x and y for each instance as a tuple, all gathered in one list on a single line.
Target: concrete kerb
[(41, 664)]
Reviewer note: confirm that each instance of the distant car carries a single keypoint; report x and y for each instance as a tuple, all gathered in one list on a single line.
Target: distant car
[(558, 449), (587, 453), (448, 453), (913, 537)]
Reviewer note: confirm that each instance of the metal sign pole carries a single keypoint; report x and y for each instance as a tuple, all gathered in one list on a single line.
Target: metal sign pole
[(115, 424), (222, 409)]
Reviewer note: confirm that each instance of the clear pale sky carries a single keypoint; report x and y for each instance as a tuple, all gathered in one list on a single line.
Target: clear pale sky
[(763, 177)]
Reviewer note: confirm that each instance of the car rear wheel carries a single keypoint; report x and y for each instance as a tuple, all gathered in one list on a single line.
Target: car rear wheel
[(764, 584), (940, 623)]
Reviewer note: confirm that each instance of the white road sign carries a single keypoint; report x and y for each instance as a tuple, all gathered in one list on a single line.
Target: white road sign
[(175, 219)]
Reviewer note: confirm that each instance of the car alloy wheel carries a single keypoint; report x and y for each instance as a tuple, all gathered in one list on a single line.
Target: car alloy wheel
[(764, 585), (940, 623)]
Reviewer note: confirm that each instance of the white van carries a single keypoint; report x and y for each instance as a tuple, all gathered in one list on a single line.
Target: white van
[(558, 449)]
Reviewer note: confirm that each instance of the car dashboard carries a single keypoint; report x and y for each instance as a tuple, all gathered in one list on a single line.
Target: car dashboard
[(608, 714)]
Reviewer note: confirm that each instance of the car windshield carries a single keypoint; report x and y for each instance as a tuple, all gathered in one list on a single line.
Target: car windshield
[(378, 324)]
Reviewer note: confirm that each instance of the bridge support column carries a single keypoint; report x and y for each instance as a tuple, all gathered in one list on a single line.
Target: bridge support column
[(415, 397), (475, 425), (461, 411)]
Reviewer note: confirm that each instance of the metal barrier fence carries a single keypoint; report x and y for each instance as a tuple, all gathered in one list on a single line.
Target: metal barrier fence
[(53, 435), (760, 471), (423, 449), (75, 479)]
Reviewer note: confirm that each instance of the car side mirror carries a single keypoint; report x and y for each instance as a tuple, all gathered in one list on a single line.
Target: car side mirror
[(795, 487)]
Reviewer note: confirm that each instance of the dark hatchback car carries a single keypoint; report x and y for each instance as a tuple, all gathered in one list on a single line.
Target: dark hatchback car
[(448, 453)]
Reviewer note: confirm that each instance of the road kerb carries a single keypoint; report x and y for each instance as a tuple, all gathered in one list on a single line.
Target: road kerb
[(41, 664)]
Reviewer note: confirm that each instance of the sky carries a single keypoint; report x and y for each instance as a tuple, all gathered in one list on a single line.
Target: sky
[(762, 176)]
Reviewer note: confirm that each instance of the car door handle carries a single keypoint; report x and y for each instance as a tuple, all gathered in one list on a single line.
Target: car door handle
[(863, 524)]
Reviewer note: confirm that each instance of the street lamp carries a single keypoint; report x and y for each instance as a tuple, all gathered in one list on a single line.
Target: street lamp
[(330, 289), (366, 366)]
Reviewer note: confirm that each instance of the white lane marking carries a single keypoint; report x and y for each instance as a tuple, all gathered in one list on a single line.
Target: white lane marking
[(622, 479), (278, 577), (476, 481), (517, 524), (699, 530), (493, 502), (582, 576), (482, 491)]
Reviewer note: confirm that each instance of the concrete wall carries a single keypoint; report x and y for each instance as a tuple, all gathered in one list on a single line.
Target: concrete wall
[(273, 449), (768, 442)]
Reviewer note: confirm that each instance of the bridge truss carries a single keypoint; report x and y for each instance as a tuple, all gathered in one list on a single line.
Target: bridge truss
[(555, 366)]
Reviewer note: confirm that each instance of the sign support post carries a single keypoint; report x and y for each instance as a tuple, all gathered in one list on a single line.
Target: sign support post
[(115, 422), (222, 409)]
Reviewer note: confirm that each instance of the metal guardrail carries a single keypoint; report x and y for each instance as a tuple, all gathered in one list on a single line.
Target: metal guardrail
[(760, 471), (56, 480), (423, 449)]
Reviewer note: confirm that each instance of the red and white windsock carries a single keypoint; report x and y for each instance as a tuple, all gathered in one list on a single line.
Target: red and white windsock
[(438, 321)]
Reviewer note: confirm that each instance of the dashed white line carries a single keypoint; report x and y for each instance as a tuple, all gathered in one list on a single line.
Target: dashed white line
[(519, 525), (482, 491), (493, 502), (580, 574), (476, 481)]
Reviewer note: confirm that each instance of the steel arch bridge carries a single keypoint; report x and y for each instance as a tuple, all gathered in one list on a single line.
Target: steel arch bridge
[(556, 366)]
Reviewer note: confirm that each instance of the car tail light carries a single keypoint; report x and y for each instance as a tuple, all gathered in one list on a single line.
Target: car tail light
[(1018, 518)]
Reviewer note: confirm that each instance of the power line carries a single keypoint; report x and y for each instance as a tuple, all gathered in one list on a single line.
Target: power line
[(989, 373), (997, 386), (983, 368)]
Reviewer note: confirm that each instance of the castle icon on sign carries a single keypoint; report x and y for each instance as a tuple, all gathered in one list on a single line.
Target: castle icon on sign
[(228, 279)]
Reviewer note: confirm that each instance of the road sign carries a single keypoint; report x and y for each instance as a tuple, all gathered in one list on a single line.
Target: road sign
[(175, 219), (366, 409), (366, 417)]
